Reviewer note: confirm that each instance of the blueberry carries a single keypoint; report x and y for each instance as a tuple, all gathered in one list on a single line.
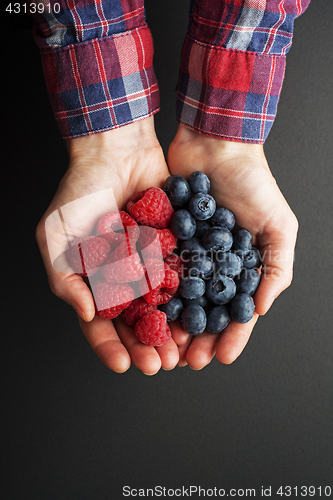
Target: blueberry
[(218, 319), (183, 224), (220, 289), (194, 319), (191, 287), (191, 246), (242, 308), (202, 206), (252, 260), (202, 226), (199, 265), (228, 263), (217, 238), (178, 190), (248, 281), (223, 218), (201, 301), (199, 182), (242, 242), (172, 309)]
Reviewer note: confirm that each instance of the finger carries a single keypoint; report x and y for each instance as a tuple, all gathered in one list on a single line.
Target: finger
[(169, 354), (202, 350), (102, 336), (182, 350), (233, 340), (178, 333), (144, 357), (277, 247)]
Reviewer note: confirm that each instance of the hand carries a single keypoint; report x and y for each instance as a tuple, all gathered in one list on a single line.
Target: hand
[(122, 161), (242, 182)]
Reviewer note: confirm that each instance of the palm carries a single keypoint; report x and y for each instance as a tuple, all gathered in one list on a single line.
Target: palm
[(115, 178)]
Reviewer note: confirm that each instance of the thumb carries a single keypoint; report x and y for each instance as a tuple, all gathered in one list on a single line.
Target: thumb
[(73, 290), (277, 247), (66, 285)]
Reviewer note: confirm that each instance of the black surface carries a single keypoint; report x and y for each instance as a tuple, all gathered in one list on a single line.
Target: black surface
[(72, 429)]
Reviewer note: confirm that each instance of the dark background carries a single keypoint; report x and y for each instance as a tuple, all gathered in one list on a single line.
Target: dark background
[(72, 429)]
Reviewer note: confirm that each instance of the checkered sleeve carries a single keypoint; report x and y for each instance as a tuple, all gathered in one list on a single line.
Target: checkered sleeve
[(97, 59), (233, 65)]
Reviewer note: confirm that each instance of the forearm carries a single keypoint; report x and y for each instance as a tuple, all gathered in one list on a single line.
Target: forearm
[(97, 61), (233, 65)]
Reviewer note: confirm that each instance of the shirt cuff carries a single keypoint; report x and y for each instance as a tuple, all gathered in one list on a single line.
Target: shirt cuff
[(227, 93), (103, 83)]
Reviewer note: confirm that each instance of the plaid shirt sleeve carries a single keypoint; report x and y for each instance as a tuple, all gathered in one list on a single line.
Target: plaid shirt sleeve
[(97, 59), (233, 65)]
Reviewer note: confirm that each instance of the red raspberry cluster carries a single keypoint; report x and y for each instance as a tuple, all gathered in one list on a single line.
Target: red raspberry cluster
[(131, 251)]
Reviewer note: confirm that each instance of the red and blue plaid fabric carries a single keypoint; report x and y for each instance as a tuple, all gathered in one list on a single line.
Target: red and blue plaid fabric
[(233, 65), (97, 59)]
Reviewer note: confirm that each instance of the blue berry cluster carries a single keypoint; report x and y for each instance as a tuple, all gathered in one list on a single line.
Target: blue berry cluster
[(220, 263)]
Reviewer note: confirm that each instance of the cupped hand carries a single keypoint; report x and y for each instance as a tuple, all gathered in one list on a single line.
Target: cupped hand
[(242, 182), (105, 170)]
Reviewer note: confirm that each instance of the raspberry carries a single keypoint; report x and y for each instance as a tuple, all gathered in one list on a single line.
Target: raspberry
[(149, 243), (151, 207), (175, 263), (138, 308), (154, 241), (117, 227), (123, 265), (111, 299), (86, 254), (152, 329), (155, 274), (168, 241), (166, 289)]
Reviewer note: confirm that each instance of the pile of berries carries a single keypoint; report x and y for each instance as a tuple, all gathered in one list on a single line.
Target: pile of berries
[(219, 265), (126, 264), (173, 254)]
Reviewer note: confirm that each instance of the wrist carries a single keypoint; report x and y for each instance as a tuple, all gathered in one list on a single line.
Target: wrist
[(191, 150), (214, 145), (119, 142)]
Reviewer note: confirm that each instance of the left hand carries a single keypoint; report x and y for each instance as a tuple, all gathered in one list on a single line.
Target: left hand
[(242, 182)]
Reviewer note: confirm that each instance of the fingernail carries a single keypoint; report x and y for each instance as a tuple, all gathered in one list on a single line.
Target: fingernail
[(79, 311)]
